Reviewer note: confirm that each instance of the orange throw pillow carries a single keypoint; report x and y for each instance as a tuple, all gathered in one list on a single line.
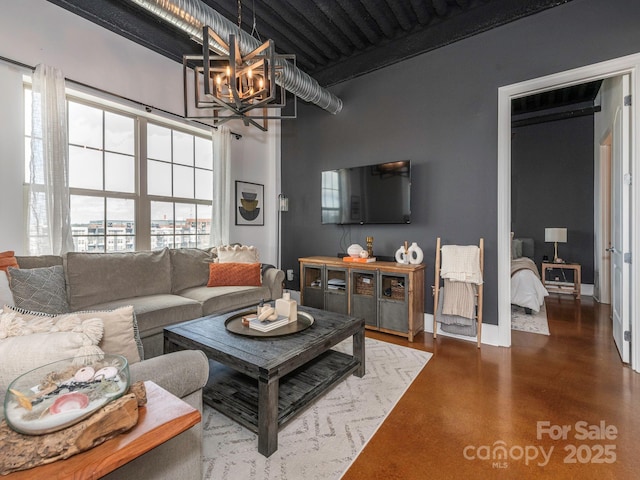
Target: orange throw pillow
[(234, 275), (8, 259)]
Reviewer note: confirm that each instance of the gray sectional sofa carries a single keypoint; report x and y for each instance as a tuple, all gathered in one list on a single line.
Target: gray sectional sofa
[(165, 287)]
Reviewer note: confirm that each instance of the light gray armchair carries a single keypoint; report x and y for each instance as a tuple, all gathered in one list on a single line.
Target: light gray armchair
[(183, 374)]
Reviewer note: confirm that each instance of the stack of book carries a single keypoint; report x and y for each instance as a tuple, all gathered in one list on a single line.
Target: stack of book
[(268, 325), (336, 284), (359, 259)]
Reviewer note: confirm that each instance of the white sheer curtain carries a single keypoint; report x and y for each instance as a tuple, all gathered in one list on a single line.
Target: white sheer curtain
[(221, 208), (49, 224)]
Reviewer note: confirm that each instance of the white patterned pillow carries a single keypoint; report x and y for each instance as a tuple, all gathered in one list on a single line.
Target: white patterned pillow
[(237, 254), (26, 344), (40, 289), (121, 335)]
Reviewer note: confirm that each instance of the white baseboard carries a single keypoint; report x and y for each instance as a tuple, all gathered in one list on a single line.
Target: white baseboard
[(586, 289), (295, 295)]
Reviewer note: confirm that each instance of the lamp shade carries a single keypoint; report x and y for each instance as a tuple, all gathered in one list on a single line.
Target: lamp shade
[(555, 235)]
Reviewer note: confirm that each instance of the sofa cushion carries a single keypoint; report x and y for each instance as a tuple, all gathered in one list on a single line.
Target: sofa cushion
[(120, 329), (39, 261), (189, 268), (180, 373), (237, 253), (100, 278), (234, 274), (41, 289), (225, 299), (154, 312)]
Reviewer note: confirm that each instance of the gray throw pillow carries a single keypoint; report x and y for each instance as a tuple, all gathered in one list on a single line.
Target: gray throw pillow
[(39, 289)]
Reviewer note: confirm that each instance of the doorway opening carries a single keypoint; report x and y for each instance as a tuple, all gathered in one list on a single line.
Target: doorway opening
[(602, 285), (614, 68)]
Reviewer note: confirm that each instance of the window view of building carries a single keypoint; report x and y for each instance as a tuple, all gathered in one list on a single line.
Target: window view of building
[(134, 184)]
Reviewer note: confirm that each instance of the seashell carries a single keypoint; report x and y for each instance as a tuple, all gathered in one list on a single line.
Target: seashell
[(266, 313), (106, 373), (22, 399), (84, 374), (68, 402), (46, 390)]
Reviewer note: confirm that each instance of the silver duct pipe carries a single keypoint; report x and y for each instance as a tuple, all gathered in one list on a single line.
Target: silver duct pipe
[(192, 15)]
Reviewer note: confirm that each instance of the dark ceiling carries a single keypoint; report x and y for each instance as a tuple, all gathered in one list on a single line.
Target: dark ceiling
[(559, 104), (333, 40)]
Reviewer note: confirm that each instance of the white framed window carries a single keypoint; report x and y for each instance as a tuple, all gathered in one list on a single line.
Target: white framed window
[(135, 183), (179, 187)]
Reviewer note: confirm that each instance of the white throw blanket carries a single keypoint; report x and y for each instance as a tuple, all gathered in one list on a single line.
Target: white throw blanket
[(460, 299), (461, 263)]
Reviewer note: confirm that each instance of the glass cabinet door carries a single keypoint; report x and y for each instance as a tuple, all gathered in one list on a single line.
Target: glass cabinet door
[(393, 301), (335, 298), (363, 296)]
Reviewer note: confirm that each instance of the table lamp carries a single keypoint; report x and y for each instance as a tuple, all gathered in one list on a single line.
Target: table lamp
[(555, 235)]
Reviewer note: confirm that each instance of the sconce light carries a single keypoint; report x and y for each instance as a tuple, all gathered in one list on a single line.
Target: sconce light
[(283, 203)]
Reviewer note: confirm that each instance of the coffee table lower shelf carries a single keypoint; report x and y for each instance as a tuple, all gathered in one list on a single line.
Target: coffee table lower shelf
[(236, 395)]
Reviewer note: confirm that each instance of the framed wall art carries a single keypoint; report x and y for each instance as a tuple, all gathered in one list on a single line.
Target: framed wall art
[(249, 203)]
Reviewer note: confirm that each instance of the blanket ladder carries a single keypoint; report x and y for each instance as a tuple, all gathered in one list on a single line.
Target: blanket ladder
[(436, 291)]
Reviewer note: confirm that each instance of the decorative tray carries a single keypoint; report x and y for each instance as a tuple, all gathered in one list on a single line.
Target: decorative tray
[(234, 324), (60, 394)]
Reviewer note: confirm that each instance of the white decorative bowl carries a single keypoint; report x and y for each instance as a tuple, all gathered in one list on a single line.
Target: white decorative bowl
[(354, 250)]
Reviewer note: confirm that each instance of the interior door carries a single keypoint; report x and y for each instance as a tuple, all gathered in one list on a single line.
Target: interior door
[(620, 218)]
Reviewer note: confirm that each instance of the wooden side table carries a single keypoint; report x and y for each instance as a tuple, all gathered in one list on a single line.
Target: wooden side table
[(162, 418), (562, 286)]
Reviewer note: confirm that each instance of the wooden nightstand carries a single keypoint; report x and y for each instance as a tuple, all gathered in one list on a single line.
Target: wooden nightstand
[(562, 285)]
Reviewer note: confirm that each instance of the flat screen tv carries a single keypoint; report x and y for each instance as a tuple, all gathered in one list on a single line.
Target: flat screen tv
[(370, 194)]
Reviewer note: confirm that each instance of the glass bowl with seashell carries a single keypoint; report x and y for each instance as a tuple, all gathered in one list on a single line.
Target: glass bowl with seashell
[(60, 394)]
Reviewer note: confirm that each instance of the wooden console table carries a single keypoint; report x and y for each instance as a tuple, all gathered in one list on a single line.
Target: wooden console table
[(388, 295), (554, 286), (162, 418)]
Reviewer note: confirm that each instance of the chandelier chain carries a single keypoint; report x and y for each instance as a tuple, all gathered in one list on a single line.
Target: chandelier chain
[(254, 27)]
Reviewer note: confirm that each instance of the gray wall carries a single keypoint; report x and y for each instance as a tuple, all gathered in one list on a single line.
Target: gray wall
[(440, 111), (552, 186)]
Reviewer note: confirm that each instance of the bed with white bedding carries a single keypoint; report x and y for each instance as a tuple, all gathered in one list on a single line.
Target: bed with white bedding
[(527, 290)]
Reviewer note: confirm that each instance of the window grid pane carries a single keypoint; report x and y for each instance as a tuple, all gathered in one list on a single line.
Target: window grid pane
[(188, 174), (103, 159)]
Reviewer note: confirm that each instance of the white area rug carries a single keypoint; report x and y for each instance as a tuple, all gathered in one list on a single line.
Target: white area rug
[(323, 441), (534, 323)]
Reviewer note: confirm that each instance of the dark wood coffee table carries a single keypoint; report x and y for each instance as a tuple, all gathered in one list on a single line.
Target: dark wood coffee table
[(262, 383)]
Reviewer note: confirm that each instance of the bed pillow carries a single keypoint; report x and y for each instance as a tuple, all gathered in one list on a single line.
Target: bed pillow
[(121, 334), (234, 275), (237, 254), (28, 343), (516, 248), (40, 289)]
